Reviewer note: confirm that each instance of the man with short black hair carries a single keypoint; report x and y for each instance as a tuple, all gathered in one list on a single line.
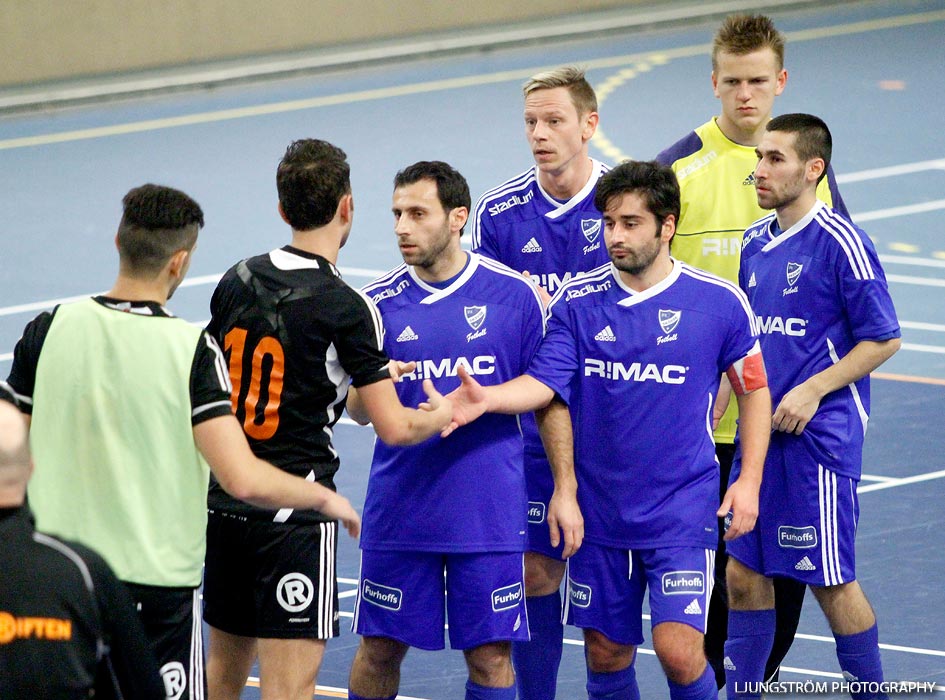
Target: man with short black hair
[(453, 507), (128, 407), (636, 349), (827, 320), (296, 336)]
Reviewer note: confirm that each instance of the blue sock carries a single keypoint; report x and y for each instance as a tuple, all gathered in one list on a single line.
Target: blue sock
[(620, 685), (474, 691), (703, 688), (858, 655), (750, 638), (355, 696), (536, 662)]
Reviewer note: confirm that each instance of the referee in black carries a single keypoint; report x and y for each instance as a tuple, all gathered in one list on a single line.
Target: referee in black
[(67, 625)]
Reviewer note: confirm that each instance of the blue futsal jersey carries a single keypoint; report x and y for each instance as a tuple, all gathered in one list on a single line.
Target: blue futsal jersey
[(640, 371), (522, 226), (818, 289), (465, 493)]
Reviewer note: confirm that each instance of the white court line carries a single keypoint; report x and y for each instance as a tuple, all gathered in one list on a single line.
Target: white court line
[(892, 171), (917, 347), (910, 260), (908, 279), (803, 671), (904, 481), (921, 326), (893, 212)]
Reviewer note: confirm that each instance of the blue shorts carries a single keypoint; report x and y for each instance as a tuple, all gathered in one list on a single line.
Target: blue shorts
[(807, 519), (540, 486), (400, 596), (606, 588)]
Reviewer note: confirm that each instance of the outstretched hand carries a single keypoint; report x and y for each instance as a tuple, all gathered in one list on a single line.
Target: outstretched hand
[(437, 404), (468, 401), (398, 369)]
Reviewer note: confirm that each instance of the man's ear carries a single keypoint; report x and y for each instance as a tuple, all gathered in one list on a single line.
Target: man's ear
[(282, 213), (815, 168), (345, 209), (178, 263), (458, 218)]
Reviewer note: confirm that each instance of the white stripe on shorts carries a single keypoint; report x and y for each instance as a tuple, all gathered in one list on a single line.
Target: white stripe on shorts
[(830, 545), (710, 584), (195, 681), (325, 596)]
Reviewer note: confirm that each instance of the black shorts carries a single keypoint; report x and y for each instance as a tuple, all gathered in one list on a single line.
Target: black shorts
[(172, 624), (271, 580)]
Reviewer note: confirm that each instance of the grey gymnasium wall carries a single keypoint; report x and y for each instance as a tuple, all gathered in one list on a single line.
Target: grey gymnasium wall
[(44, 40)]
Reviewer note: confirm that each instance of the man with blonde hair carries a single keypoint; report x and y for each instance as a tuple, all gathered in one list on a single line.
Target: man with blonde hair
[(544, 222)]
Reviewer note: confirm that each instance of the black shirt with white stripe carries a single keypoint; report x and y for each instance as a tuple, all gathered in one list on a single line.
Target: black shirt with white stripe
[(295, 336)]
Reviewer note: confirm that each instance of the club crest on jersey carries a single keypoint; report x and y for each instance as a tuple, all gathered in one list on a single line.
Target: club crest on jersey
[(668, 319), (591, 230), (793, 272), (475, 317)]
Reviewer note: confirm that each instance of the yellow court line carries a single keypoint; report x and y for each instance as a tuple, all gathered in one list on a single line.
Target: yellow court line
[(319, 692), (434, 86), (908, 378)]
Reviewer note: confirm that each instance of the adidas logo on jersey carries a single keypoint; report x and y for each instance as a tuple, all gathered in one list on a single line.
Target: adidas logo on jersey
[(749, 181), (532, 246), (728, 664), (693, 608), (752, 282), (407, 334), (607, 335), (805, 565)]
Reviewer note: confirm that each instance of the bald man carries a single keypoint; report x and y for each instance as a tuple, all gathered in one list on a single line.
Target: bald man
[(61, 607)]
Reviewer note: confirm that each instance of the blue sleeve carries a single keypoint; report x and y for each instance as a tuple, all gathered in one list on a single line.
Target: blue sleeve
[(685, 147), (556, 361), (865, 294), (533, 328), (741, 337)]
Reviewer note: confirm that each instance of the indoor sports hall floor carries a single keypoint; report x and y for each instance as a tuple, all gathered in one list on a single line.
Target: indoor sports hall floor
[(875, 71)]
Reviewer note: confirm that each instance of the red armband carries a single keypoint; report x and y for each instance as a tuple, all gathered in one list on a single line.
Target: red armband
[(748, 373)]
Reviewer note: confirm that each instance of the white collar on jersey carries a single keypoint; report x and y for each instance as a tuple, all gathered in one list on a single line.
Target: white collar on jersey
[(597, 169), (435, 293), (638, 297), (796, 228), (284, 260)]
